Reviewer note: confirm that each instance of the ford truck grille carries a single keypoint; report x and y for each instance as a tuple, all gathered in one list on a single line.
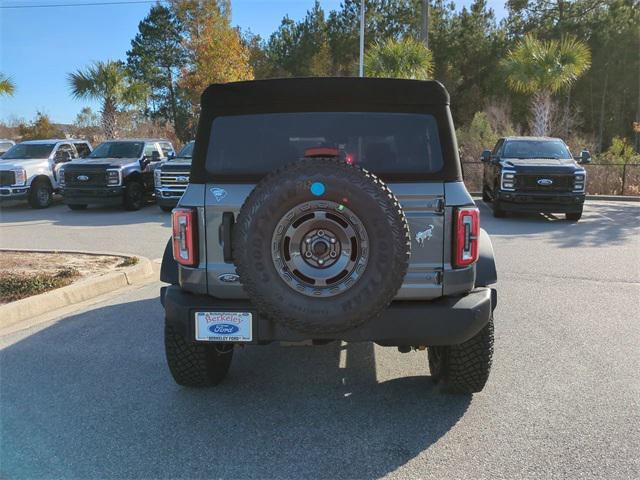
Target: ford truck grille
[(544, 183), (84, 178), (173, 183), (7, 177)]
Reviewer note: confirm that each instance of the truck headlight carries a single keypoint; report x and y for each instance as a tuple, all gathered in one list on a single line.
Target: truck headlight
[(156, 177), (578, 182), (508, 181), (21, 176), (113, 178)]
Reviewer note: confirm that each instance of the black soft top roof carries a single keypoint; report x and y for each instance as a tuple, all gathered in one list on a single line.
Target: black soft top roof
[(326, 94), (324, 91)]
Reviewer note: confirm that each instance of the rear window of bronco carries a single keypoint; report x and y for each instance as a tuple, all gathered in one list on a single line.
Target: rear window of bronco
[(384, 143)]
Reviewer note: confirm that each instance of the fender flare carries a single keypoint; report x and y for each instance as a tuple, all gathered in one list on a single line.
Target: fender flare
[(169, 268), (39, 177), (486, 273)]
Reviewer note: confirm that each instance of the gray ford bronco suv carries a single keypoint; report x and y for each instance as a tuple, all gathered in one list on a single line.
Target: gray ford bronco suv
[(326, 209)]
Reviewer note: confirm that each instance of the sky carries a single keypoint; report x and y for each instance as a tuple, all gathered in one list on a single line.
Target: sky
[(40, 46)]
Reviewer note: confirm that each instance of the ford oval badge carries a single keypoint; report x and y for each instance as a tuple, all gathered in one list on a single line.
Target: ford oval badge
[(223, 328), (182, 179), (82, 178), (545, 182), (229, 278)]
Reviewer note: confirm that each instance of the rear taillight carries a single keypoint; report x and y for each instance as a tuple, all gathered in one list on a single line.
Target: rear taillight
[(183, 221), (466, 236)]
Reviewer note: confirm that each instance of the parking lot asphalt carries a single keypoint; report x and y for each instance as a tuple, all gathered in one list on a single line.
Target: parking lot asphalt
[(144, 232), (89, 395)]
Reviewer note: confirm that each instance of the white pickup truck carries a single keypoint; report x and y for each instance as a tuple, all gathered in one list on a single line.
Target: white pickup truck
[(29, 170)]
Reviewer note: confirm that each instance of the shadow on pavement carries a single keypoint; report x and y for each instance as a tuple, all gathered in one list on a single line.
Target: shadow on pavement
[(91, 397), (602, 224)]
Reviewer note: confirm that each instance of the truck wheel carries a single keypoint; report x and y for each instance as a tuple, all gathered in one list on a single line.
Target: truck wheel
[(498, 212), (133, 196), (196, 365), (40, 194), (463, 368), (573, 217), (321, 246), (77, 206)]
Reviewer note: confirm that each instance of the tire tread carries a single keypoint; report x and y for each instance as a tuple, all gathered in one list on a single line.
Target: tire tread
[(194, 365), (364, 180)]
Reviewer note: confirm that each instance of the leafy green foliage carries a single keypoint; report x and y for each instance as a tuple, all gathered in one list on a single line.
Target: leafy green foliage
[(545, 65), (620, 151), (7, 87), (14, 286), (110, 83), (187, 44), (40, 128), (157, 55), (475, 138), (406, 58)]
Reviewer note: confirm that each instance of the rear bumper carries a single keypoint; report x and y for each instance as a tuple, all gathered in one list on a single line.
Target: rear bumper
[(14, 193), (446, 321), (93, 196), (541, 202)]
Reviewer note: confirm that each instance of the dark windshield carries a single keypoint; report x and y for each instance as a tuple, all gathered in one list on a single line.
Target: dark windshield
[(385, 143), (187, 150), (26, 151), (118, 150), (536, 149)]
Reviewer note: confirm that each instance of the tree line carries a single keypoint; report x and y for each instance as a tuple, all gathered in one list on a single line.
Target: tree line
[(551, 67)]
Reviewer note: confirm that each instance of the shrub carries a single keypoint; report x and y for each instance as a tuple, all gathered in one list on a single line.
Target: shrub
[(14, 286)]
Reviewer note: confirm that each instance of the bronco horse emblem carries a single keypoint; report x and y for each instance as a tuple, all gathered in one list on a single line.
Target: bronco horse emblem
[(424, 235)]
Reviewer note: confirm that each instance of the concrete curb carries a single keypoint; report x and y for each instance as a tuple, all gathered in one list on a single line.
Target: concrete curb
[(83, 290), (613, 198)]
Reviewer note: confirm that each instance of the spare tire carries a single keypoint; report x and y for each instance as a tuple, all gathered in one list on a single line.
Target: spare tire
[(321, 246)]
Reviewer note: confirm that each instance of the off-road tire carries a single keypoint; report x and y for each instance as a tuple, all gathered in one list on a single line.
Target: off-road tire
[(573, 217), (40, 194), (196, 365), (133, 196), (463, 368), (485, 195), (373, 204), (166, 209), (77, 206), (498, 212)]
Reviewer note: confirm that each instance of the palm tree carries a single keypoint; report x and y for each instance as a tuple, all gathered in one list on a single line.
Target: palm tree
[(542, 68), (406, 58), (109, 83), (7, 87)]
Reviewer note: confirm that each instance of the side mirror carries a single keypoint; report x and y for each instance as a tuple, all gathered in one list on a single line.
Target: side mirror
[(585, 156), (485, 156), (155, 156), (171, 155), (144, 162)]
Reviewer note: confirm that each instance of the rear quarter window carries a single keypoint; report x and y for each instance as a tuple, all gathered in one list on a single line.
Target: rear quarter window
[(384, 143), (82, 149)]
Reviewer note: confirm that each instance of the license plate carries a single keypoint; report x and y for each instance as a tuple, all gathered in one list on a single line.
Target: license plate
[(224, 326)]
